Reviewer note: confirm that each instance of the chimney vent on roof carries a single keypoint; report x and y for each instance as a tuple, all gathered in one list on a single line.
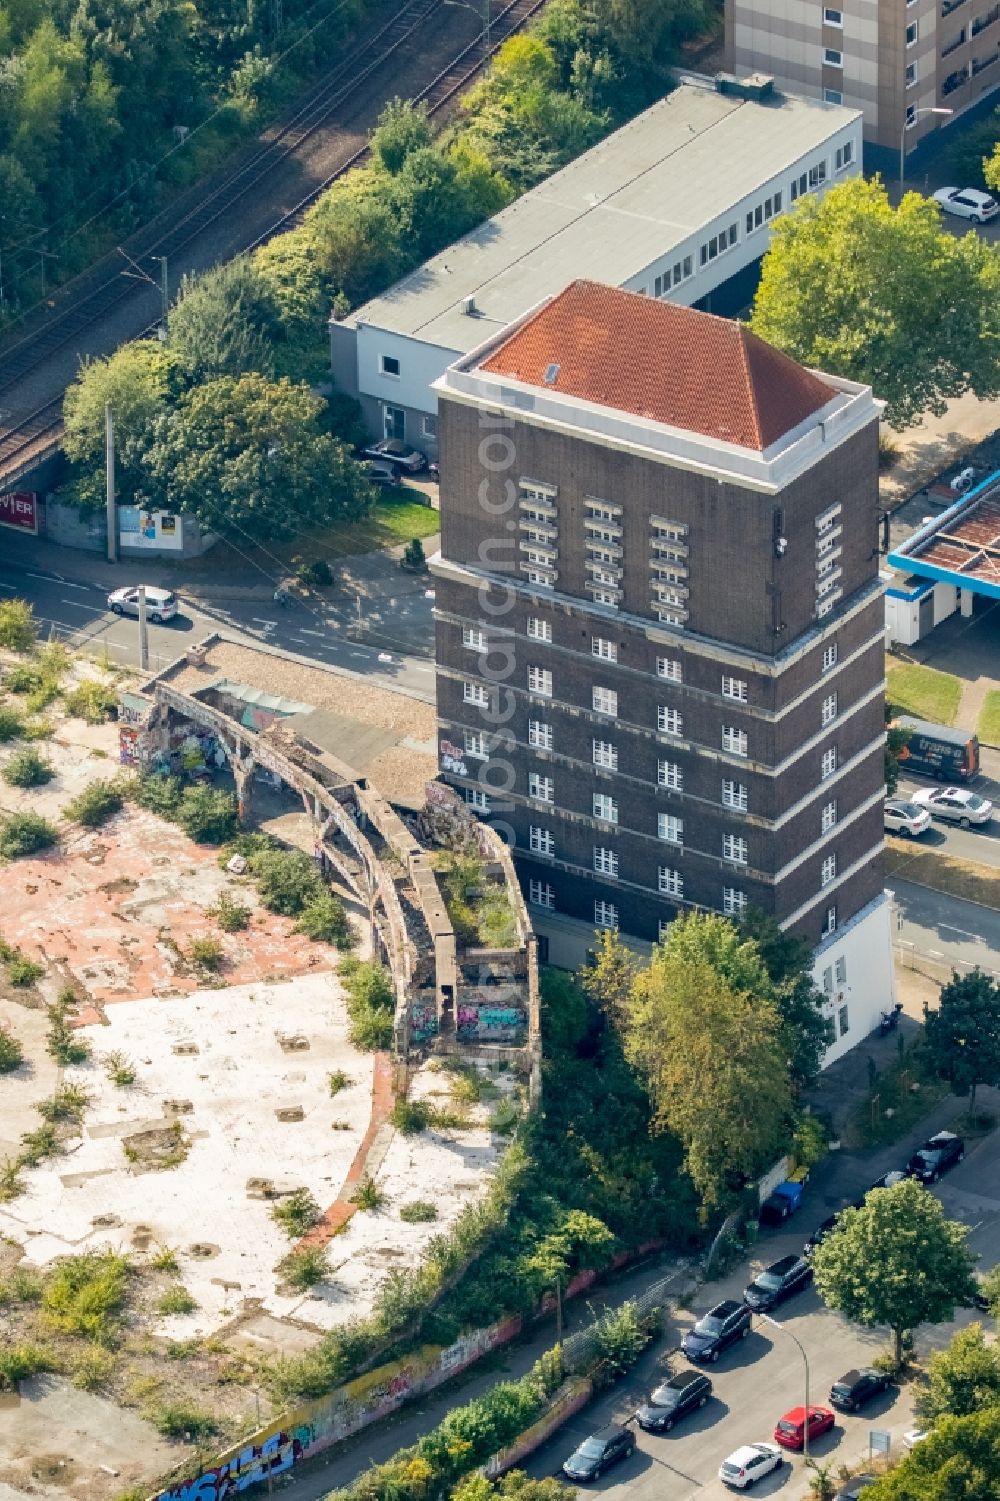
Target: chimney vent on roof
[(469, 306), (758, 86), (551, 375)]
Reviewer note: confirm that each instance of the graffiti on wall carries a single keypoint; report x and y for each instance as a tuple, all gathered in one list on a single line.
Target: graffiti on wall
[(423, 1021), (250, 1466), (485, 1021)]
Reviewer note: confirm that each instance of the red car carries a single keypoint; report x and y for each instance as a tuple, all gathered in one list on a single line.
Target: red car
[(790, 1431)]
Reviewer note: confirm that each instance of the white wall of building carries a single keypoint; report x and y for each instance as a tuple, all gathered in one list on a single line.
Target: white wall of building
[(420, 365), (854, 970)]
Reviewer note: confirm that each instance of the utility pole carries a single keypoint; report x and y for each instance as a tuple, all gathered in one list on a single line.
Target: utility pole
[(559, 1316), (109, 460), (164, 294), (143, 631)]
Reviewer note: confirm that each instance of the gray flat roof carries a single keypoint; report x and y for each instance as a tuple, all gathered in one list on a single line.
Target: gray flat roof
[(629, 200)]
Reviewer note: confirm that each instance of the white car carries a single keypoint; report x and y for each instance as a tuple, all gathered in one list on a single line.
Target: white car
[(901, 817), (160, 603), (915, 1436), (954, 805), (746, 1465), (967, 203)]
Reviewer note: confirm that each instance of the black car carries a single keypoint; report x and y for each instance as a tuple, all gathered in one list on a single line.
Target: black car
[(778, 1282), (941, 1152), (599, 1452), (820, 1233), (852, 1489), (674, 1399), (887, 1180), (855, 1388), (722, 1325)]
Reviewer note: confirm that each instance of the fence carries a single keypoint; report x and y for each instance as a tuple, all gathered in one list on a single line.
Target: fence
[(580, 1348)]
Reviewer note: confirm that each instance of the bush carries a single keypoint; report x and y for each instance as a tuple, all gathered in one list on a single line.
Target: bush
[(305, 1268), (317, 575), (207, 814), (296, 1213), (619, 1339), (418, 1212), (18, 1362), (11, 723), (159, 795), (370, 1005), (176, 1300), (324, 920), (86, 1294), (207, 954), (338, 1080), (95, 804), (414, 557), (22, 971), (410, 1117), (11, 1179), (92, 701), (368, 1195), (26, 768), (18, 630), (23, 1287), (164, 1259), (119, 1070), (287, 880), (63, 1044), (11, 1052), (93, 1369), (24, 834), (38, 1144), (182, 1420), (231, 915), (67, 1104)]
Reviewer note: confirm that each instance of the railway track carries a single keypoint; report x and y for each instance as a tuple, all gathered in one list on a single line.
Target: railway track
[(36, 436)]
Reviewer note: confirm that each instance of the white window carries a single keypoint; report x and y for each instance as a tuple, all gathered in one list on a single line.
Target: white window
[(606, 755), (911, 75), (734, 795), (911, 116), (539, 734), (669, 721), (828, 870), (605, 701), (604, 597), (606, 650), (605, 861), (734, 902), (538, 490), (542, 841), (832, 17), (670, 828), (817, 174), (832, 96), (735, 741), (605, 915), (671, 882), (843, 156), (735, 849), (829, 656), (540, 580), (429, 427), (840, 970), (538, 629), (663, 928), (605, 808), (540, 681), (541, 894), (669, 774), (667, 667), (474, 637), (476, 693), (763, 212), (475, 744), (477, 799), (598, 511), (828, 712), (734, 688), (389, 365), (912, 33), (833, 58), (830, 920), (719, 244), (541, 788), (828, 765), (829, 816)]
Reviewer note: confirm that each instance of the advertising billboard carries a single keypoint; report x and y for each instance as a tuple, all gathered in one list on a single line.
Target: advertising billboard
[(19, 509)]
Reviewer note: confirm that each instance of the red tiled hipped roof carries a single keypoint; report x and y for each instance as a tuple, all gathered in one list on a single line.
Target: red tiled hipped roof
[(658, 360)]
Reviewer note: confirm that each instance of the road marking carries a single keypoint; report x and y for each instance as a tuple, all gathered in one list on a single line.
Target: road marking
[(320, 634), (76, 605), (269, 625), (946, 927), (68, 584), (935, 954), (299, 640), (11, 587), (46, 578)]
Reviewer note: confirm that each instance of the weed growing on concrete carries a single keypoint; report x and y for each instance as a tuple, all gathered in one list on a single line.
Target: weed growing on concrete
[(22, 1286), (296, 1213), (95, 804), (24, 834), (182, 1420), (410, 1117), (164, 1259), (231, 915), (120, 1070), (370, 1003), (207, 954), (324, 920), (11, 723), (67, 1104), (92, 701), (305, 1268), (161, 1148), (18, 630), (338, 1080), (504, 1119), (26, 768), (12, 1184), (22, 971), (176, 1300), (38, 1144), (85, 1295), (182, 1349), (368, 1195), (18, 1362), (63, 1044), (11, 1052), (419, 1212), (140, 1389), (93, 1369)]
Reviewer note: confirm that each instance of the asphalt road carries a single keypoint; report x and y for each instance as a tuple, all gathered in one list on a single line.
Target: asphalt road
[(981, 845), (946, 928), (78, 612)]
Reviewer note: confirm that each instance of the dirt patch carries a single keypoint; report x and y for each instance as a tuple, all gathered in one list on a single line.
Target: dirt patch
[(156, 1150), (964, 878)]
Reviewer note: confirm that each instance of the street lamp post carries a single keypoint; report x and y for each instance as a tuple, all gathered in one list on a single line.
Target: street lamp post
[(805, 1361), (927, 109)]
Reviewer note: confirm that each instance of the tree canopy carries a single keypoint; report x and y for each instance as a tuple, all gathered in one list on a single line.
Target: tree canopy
[(958, 1461), (961, 1379), (884, 296), (139, 381), (963, 1033), (225, 322), (895, 1261)]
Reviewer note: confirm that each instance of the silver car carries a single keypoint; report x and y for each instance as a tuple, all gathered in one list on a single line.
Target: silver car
[(954, 805), (901, 817), (967, 203)]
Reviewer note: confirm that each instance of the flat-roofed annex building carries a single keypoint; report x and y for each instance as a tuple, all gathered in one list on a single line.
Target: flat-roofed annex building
[(660, 644), (675, 204)]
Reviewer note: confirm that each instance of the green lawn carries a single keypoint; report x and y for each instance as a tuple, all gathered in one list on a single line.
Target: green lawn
[(988, 728), (923, 691)]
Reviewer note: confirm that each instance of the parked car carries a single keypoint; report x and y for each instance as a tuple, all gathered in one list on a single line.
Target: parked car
[(599, 1452), (955, 805), (905, 818), (784, 1201), (788, 1275), (683, 1393), (967, 203), (160, 603), (395, 451), (380, 472), (935, 1156), (746, 1465), (914, 1436), (851, 1489), (855, 1388), (886, 1181), (820, 1233), (790, 1431), (721, 1326), (933, 750)]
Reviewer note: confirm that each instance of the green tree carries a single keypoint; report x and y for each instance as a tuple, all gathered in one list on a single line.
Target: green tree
[(224, 322), (713, 1056), (885, 296), (402, 128), (895, 1261), (991, 169), (896, 738), (958, 1461), (963, 1033), (250, 459), (961, 1379), (139, 382), (610, 973)]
